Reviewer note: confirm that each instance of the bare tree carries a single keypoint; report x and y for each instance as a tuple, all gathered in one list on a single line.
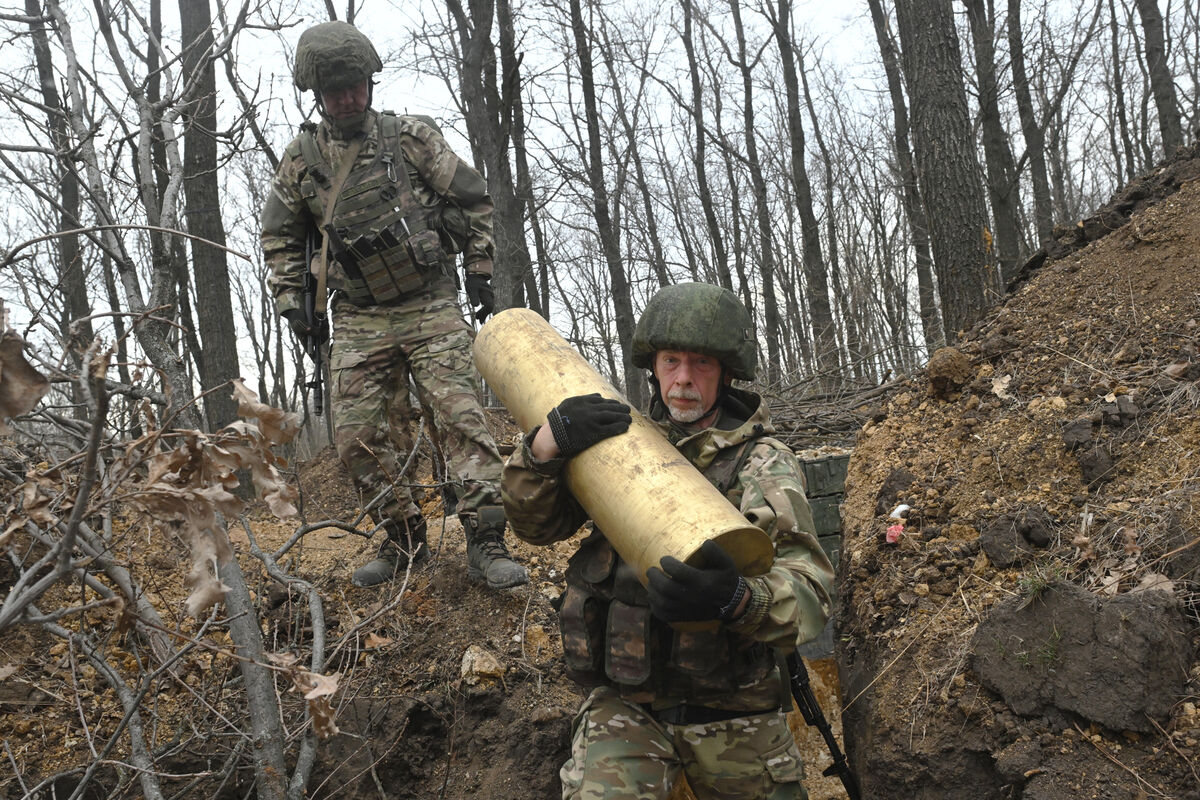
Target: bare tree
[(1001, 170), (1161, 81), (218, 361), (945, 159), (605, 229), (815, 272), (1032, 130), (716, 239), (488, 101), (914, 207)]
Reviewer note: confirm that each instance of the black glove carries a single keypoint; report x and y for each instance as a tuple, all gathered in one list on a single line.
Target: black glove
[(579, 422), (682, 593), (480, 294), (298, 324)]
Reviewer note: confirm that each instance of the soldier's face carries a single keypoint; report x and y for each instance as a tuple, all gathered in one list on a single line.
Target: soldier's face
[(345, 102), (688, 384)]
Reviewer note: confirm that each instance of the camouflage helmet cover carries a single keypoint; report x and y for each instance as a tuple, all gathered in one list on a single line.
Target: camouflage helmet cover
[(699, 318), (333, 55)]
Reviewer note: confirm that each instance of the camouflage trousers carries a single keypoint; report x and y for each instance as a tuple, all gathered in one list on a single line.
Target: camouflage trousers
[(620, 751), (374, 352)]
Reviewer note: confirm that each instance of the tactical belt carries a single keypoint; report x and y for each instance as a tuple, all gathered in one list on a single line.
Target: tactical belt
[(684, 714)]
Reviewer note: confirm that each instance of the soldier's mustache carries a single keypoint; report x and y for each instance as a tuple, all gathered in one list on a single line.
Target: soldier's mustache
[(684, 394)]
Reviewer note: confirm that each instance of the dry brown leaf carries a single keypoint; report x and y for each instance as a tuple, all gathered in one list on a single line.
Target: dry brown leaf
[(278, 426), (375, 641), (1154, 582), (282, 659), (321, 712), (317, 685), (317, 690), (1177, 370), (207, 588), (36, 494), (13, 526), (1000, 387), (21, 386)]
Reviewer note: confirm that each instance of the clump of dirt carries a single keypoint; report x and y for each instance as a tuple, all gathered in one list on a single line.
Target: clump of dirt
[(1067, 461)]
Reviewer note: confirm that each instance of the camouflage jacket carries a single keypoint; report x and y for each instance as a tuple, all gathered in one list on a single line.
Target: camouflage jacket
[(789, 604), (437, 175)]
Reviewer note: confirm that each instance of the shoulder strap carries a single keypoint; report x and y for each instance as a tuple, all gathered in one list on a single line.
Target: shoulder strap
[(328, 203), (315, 163), (729, 467)]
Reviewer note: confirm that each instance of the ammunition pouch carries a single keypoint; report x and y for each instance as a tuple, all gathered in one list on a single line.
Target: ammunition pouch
[(388, 244), (610, 637)]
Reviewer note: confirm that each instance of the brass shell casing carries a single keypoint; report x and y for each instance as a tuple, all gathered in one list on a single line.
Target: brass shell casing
[(647, 498)]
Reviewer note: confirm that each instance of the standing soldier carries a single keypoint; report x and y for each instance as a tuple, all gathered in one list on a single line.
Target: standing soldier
[(710, 703), (382, 203)]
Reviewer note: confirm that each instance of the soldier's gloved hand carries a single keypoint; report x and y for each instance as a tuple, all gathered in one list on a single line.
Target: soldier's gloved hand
[(579, 422), (480, 294), (682, 593), (299, 325)]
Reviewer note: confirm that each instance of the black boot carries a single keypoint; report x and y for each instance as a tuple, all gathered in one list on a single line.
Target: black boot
[(487, 556), (395, 551)]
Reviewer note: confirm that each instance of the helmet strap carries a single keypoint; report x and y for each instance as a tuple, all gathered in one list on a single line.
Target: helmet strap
[(721, 387)]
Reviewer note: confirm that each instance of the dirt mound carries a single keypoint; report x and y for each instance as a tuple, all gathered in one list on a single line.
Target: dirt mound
[(1066, 455)]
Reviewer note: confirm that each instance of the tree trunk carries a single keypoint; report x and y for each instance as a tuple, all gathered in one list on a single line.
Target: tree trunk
[(488, 117), (71, 276), (202, 193), (1118, 88), (1001, 170), (824, 335), (510, 211), (1031, 129), (762, 210), (914, 208), (658, 261), (716, 238), (152, 336), (635, 389), (1161, 81), (535, 283), (838, 291), (945, 158)]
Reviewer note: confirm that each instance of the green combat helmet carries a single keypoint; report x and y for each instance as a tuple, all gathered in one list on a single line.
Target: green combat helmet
[(699, 318), (334, 55)]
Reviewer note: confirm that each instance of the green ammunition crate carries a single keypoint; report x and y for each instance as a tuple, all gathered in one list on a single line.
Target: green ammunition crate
[(825, 475), (832, 545), (826, 515)]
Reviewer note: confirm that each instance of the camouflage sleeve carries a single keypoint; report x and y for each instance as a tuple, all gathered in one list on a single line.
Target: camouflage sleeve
[(285, 226), (790, 603), (456, 181), (539, 507)]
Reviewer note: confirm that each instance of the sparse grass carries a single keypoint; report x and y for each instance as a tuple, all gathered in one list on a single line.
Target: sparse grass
[(1032, 584)]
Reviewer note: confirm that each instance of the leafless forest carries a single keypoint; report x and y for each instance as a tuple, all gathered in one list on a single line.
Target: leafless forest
[(870, 185)]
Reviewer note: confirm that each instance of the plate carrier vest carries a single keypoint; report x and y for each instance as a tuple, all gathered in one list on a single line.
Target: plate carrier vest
[(387, 242), (610, 637)]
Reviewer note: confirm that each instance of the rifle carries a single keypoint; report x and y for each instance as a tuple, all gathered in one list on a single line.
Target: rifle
[(813, 715), (318, 327)]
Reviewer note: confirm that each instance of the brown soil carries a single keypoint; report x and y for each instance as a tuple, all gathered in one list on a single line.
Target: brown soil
[(1067, 453)]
